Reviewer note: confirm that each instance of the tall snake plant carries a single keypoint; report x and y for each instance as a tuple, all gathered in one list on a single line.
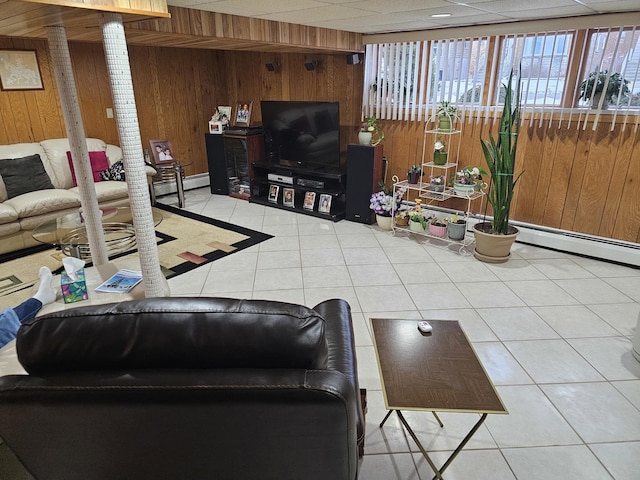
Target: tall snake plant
[(500, 155)]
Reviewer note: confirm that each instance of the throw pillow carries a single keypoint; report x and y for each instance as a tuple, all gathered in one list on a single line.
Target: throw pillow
[(114, 172), (99, 163), (24, 175)]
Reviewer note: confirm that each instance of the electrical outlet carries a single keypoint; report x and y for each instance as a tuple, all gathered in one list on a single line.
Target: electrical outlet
[(109, 112)]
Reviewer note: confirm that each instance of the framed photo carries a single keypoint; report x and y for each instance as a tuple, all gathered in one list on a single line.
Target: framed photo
[(273, 193), (325, 203), (243, 114), (288, 197), (162, 151), (216, 127), (309, 200), (224, 114), (19, 70)]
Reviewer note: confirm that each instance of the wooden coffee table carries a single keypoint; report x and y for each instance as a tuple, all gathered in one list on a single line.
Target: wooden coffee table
[(438, 371)]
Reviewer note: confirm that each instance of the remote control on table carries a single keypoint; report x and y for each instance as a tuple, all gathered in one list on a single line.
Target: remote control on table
[(424, 327)]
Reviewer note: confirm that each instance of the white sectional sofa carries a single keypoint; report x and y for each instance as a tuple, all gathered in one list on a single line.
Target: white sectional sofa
[(22, 213)]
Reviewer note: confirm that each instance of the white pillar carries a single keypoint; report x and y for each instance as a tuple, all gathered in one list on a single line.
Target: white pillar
[(126, 115), (77, 142)]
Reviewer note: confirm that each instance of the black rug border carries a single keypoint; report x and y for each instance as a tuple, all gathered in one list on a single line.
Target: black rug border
[(255, 238)]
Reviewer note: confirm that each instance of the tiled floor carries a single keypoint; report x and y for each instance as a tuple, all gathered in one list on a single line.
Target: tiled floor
[(552, 330)]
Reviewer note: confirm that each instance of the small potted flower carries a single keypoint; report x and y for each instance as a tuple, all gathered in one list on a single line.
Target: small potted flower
[(440, 151), (413, 174), (384, 203), (437, 183), (438, 226), (457, 226), (402, 218), (417, 221), (446, 113), (468, 180), (370, 132)]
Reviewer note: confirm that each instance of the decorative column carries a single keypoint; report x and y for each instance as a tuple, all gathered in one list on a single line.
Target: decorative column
[(77, 142), (126, 116)]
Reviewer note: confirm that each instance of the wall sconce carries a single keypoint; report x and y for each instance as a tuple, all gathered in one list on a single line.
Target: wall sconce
[(272, 66), (311, 64)]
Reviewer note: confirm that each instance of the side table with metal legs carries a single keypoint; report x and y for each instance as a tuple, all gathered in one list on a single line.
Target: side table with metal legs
[(170, 171)]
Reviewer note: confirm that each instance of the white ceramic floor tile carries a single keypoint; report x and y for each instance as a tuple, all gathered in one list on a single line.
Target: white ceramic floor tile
[(229, 281), (442, 252), (394, 466), (364, 256), (611, 356), (278, 279), (278, 217), (312, 242), (288, 243), (278, 259), (516, 270), (531, 252), (321, 257), (469, 464), (248, 221), (358, 241), (561, 268), (474, 327), (621, 459), (363, 275), (622, 317), (468, 272), (630, 286), (407, 254), (575, 321), (190, 283), (542, 292), (597, 411), (630, 389), (361, 329), (552, 361), (389, 439), (280, 230), (606, 269), (294, 295), (516, 323), (438, 295), (420, 273), (489, 294), (500, 365), (334, 276), (316, 229), (368, 375), (314, 296), (384, 298), (532, 420), (352, 228), (594, 290), (571, 462)]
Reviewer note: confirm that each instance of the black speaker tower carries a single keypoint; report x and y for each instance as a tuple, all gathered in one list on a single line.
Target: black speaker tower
[(216, 158), (364, 172)]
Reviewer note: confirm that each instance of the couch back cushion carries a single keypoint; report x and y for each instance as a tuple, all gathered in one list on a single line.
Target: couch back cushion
[(99, 163), (174, 332), (56, 150), (24, 175), (18, 150)]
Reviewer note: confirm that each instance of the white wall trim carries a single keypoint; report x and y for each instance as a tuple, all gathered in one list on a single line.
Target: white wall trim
[(190, 182)]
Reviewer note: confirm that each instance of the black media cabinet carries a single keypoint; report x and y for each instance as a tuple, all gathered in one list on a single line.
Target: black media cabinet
[(318, 185)]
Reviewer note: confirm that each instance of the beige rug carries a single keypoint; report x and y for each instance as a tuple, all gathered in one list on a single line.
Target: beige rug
[(185, 241)]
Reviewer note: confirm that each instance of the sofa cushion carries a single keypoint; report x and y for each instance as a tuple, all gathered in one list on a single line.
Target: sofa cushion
[(115, 172), (175, 333), (38, 203), (22, 150), (23, 175), (107, 190), (7, 214), (56, 150), (99, 163)]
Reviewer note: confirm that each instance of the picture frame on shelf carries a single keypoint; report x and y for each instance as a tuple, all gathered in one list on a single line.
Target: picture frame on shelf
[(288, 197), (216, 127), (309, 200), (19, 70), (162, 151), (273, 193), (242, 117), (224, 114), (324, 205)]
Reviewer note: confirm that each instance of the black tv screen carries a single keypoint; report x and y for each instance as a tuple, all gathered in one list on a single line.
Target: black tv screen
[(304, 134)]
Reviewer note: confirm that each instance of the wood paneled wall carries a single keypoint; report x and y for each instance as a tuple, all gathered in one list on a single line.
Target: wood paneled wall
[(578, 180)]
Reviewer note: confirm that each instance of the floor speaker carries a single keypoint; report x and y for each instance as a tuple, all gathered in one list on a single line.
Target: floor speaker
[(364, 172), (218, 181)]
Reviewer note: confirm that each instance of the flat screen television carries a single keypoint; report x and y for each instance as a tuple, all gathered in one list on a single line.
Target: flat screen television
[(302, 134)]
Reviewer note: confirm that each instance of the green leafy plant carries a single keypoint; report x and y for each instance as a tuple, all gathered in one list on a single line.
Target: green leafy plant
[(500, 155), (372, 125), (414, 169), (446, 109), (596, 82)]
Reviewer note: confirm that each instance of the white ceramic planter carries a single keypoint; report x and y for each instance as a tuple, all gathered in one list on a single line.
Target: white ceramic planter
[(364, 138), (385, 223)]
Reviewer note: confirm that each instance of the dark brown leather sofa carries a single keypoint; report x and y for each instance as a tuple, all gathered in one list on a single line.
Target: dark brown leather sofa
[(186, 388)]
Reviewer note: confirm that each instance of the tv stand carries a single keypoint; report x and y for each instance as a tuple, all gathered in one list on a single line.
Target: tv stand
[(326, 201)]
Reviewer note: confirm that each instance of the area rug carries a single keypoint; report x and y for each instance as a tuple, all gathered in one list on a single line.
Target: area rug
[(185, 241)]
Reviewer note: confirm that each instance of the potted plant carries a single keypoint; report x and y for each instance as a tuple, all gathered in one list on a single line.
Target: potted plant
[(402, 218), (437, 183), (438, 226), (413, 174), (599, 87), (384, 203), (494, 239), (468, 180), (370, 132), (440, 151), (417, 221), (457, 226), (446, 113)]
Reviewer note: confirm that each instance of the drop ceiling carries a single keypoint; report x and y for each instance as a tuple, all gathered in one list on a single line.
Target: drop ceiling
[(383, 16)]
